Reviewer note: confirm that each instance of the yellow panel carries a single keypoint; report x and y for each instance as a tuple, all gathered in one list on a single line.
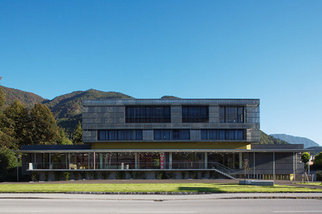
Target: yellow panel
[(172, 145)]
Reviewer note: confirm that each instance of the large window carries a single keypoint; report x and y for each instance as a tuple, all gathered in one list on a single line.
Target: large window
[(195, 114), (232, 114), (171, 134), (223, 134), (131, 134), (148, 114)]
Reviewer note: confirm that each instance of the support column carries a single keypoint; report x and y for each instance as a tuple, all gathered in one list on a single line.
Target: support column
[(68, 160), (136, 160), (254, 164), (273, 165), (206, 160), (293, 166), (170, 160), (35, 161), (49, 159), (101, 160), (240, 160), (94, 161)]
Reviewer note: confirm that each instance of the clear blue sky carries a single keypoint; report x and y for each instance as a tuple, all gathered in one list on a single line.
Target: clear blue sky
[(270, 50)]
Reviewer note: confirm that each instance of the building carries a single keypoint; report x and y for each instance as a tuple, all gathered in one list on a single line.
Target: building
[(168, 138)]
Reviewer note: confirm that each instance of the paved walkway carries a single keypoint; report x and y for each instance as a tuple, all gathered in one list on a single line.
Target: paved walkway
[(161, 197)]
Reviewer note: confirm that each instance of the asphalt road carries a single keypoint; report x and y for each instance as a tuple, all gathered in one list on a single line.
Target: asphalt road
[(48, 206)]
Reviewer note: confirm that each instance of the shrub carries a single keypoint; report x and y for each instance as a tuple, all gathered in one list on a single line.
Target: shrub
[(66, 176)]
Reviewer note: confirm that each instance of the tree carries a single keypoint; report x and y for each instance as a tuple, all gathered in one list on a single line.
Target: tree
[(305, 157), (318, 161), (18, 116), (63, 139), (78, 134), (2, 98), (44, 129), (8, 162)]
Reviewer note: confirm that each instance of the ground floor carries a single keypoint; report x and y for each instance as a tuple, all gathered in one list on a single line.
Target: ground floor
[(258, 163)]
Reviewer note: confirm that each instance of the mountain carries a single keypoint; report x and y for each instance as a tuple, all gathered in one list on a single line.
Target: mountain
[(27, 98), (267, 139), (315, 150), (296, 140), (67, 108)]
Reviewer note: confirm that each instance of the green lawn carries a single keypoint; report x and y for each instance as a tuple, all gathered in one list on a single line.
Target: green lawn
[(312, 183), (163, 187)]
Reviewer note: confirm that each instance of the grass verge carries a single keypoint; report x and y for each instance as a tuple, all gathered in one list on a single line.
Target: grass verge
[(163, 187)]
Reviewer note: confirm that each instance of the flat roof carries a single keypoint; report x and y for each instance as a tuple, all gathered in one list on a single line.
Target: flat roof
[(171, 102)]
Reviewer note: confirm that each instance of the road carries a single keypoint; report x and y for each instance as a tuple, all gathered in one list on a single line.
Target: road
[(249, 206)]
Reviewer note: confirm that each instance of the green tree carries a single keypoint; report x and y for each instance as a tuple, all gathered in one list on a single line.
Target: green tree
[(318, 161), (78, 134), (18, 116), (305, 157), (44, 129), (8, 162), (2, 98), (63, 139)]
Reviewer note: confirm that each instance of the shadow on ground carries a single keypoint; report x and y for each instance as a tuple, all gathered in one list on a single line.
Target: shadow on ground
[(200, 189)]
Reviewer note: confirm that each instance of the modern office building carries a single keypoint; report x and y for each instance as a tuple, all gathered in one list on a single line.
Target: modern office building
[(173, 138)]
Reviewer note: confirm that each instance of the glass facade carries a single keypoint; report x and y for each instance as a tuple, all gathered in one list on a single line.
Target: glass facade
[(130, 134), (172, 134), (147, 114), (231, 114), (223, 134), (195, 114)]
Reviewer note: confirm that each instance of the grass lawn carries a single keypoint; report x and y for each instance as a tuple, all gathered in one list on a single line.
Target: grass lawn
[(312, 183), (160, 187)]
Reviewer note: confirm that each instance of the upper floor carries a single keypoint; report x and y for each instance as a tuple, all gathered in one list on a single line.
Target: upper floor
[(171, 120)]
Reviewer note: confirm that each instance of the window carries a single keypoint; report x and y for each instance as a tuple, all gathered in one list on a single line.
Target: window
[(147, 114), (223, 134), (195, 114), (109, 135), (231, 114), (171, 134)]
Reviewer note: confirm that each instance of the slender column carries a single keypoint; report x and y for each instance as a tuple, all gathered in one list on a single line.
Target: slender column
[(240, 160), (88, 160), (295, 171), (170, 160), (94, 160), (273, 165), (68, 160), (293, 166), (136, 160), (49, 159), (254, 164), (101, 160), (206, 160), (35, 161)]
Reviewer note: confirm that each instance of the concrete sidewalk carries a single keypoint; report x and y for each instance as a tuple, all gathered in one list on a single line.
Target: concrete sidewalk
[(147, 197)]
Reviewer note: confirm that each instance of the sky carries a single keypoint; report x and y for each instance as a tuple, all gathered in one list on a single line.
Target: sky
[(271, 50)]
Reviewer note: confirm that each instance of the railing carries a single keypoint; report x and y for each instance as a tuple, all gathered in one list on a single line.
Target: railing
[(130, 165)]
